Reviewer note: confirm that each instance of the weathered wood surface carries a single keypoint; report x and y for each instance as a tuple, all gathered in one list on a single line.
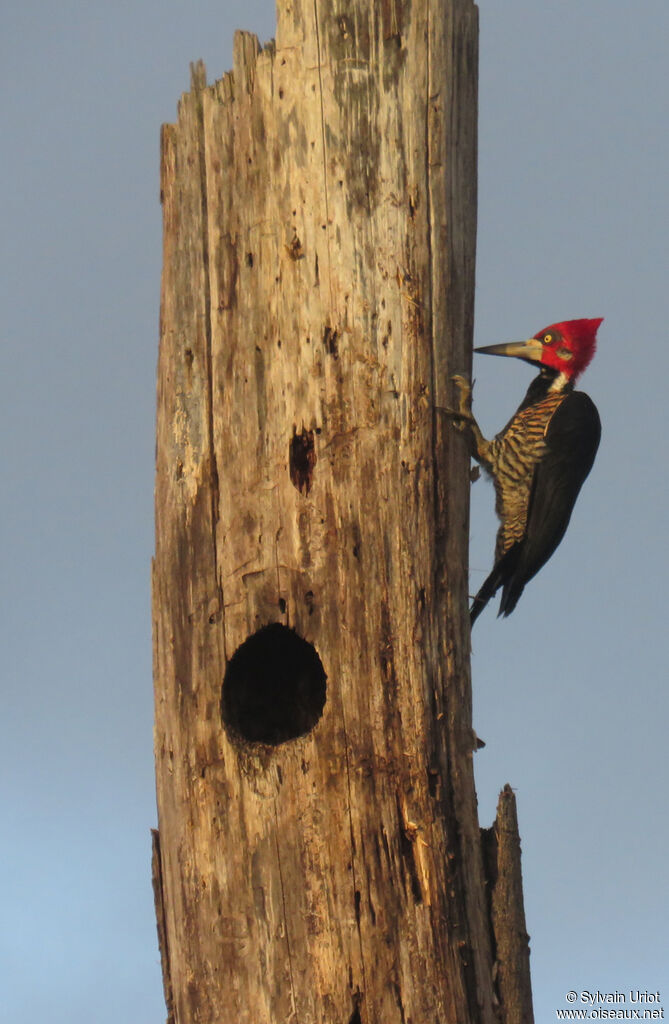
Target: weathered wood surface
[(511, 949), (319, 233), (158, 893)]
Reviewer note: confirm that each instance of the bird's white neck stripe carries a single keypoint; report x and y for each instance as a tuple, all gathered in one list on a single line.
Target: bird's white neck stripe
[(559, 383)]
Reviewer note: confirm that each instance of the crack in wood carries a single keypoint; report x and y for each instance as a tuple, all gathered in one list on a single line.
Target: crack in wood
[(161, 923)]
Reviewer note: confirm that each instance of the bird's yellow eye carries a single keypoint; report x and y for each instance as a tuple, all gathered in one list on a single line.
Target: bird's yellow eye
[(548, 339)]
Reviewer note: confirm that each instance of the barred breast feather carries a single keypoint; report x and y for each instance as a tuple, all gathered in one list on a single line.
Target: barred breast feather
[(514, 455)]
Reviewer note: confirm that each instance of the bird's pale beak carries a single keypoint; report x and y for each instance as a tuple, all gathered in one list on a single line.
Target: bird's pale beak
[(530, 350)]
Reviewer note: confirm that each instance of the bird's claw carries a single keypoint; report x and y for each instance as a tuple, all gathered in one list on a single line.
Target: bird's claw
[(463, 414), (464, 389)]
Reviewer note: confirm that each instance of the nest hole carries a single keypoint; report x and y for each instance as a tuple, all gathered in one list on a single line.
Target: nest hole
[(274, 687)]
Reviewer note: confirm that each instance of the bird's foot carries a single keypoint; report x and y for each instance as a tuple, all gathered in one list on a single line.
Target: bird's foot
[(462, 416), (464, 389)]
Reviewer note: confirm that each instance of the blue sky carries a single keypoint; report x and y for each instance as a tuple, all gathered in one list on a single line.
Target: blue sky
[(570, 693)]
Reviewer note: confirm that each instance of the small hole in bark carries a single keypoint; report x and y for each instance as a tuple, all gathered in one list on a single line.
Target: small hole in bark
[(355, 1017), (274, 687), (330, 341), (302, 459), (344, 26), (249, 259), (295, 250)]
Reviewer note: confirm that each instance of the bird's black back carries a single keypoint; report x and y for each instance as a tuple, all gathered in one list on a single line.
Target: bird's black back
[(572, 439)]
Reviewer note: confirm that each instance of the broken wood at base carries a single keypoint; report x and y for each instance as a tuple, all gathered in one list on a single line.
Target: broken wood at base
[(157, 883), (320, 857), (501, 847)]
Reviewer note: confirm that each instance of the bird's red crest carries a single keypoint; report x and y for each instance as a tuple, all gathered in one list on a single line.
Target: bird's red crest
[(569, 346)]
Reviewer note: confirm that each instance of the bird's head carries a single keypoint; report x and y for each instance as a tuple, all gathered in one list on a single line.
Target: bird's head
[(566, 347)]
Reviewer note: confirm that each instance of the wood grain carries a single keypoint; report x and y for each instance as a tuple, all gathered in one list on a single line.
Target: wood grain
[(319, 239)]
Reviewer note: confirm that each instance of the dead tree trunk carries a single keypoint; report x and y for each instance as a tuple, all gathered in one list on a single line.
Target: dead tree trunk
[(319, 856)]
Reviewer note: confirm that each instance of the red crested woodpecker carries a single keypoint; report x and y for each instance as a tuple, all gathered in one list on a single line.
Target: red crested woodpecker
[(540, 459)]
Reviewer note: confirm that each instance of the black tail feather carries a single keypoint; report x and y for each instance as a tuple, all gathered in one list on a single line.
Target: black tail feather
[(488, 590), (513, 588), (501, 575)]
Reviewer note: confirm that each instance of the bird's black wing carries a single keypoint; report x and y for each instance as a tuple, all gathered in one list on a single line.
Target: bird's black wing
[(572, 440)]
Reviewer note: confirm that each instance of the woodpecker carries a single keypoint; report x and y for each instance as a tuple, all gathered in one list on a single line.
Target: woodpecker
[(541, 458)]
